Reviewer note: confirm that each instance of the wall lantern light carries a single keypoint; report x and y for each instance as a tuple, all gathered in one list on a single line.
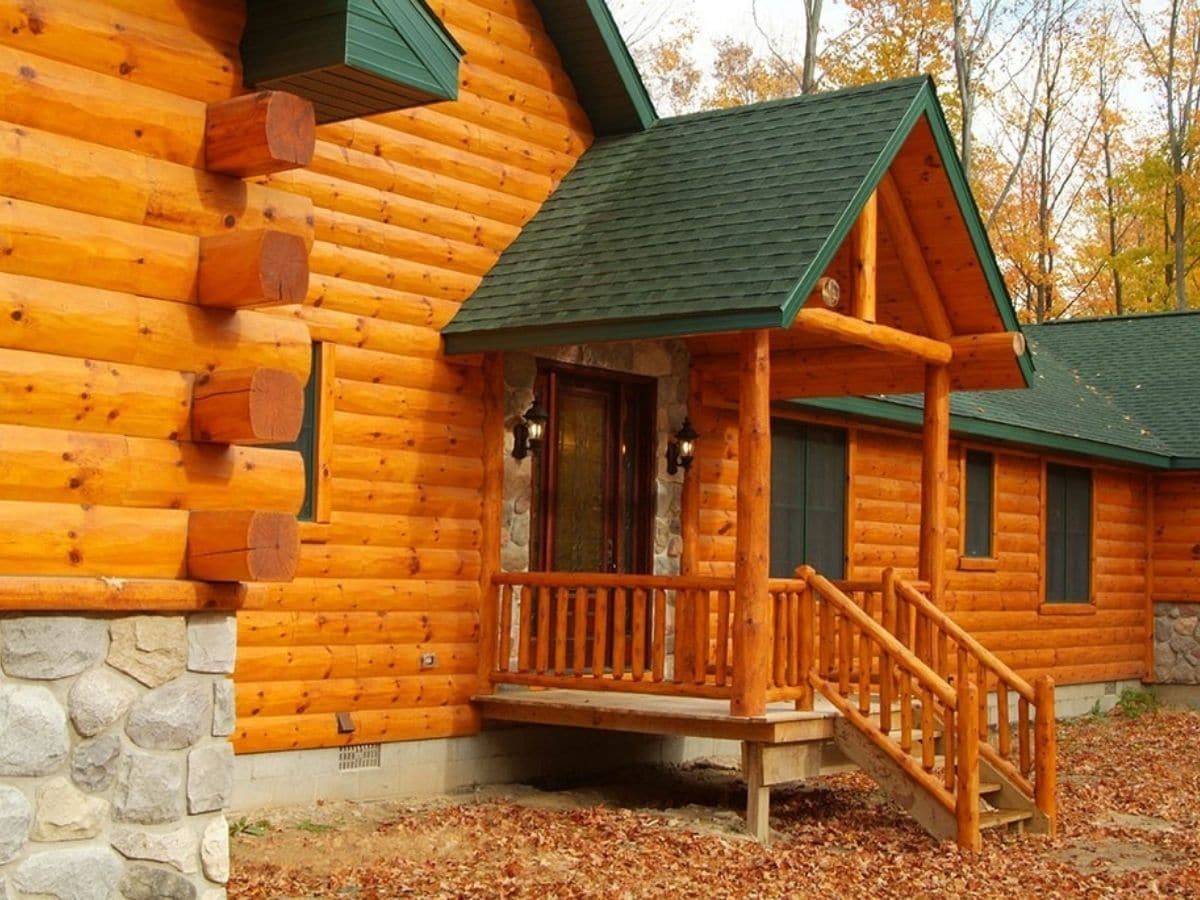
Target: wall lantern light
[(530, 432), (682, 449)]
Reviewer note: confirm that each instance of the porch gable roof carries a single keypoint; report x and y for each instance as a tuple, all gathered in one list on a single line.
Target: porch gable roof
[(712, 222)]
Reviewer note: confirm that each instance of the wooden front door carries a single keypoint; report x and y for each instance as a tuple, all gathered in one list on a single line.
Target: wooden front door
[(593, 492), (593, 508)]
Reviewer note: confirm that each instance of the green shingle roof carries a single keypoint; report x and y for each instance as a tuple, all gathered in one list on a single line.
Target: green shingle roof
[(710, 222), (1121, 388)]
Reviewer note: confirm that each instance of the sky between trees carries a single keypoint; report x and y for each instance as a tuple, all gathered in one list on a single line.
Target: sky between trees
[(1075, 119)]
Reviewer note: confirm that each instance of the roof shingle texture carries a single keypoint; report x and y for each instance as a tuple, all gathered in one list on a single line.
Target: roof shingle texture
[(1127, 381), (714, 212)]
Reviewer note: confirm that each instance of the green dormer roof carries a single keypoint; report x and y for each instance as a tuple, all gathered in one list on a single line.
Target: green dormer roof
[(351, 58)]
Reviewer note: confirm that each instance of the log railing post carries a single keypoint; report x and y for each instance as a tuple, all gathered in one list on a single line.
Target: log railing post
[(493, 488), (1045, 741), (967, 783), (751, 635), (935, 477)]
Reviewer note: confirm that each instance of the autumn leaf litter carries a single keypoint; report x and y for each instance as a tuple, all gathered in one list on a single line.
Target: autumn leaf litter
[(1129, 801)]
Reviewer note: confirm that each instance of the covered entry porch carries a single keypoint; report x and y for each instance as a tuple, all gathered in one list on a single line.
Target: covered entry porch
[(881, 282)]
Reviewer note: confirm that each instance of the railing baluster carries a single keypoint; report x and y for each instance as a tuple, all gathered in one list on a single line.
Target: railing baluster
[(825, 648), (864, 661), (722, 648), (808, 639), (949, 749), (525, 627), (779, 669), (658, 653), (1003, 735), (560, 631), (618, 641), (928, 739), (637, 663), (1024, 758), (906, 712), (845, 651), (983, 698), (887, 615), (505, 596), (600, 632), (543, 632), (579, 651), (793, 672), (702, 625), (943, 653)]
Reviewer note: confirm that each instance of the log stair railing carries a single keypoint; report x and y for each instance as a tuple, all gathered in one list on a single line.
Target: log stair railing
[(914, 690)]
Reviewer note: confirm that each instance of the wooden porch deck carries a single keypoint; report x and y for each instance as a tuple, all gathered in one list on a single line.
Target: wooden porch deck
[(781, 723)]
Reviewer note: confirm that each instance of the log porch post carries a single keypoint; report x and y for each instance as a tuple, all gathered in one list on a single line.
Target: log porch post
[(689, 521), (493, 496), (935, 478), (751, 628)]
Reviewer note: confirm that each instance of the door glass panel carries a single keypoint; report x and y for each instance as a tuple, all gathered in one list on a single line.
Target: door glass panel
[(579, 538)]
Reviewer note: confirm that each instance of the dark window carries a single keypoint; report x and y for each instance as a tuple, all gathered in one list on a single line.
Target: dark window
[(306, 441), (979, 513), (1068, 534), (808, 499)]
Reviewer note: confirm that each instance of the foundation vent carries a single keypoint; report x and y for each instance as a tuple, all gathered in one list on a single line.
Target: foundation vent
[(360, 756)]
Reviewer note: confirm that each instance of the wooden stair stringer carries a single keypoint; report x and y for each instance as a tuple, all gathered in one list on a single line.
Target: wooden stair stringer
[(1010, 797), (894, 781)]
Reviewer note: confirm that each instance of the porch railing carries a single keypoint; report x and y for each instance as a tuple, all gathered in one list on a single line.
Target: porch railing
[(659, 634)]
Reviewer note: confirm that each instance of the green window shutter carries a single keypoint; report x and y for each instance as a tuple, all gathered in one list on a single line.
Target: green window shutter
[(306, 441), (787, 497), (1068, 534), (808, 499), (825, 507), (980, 472)]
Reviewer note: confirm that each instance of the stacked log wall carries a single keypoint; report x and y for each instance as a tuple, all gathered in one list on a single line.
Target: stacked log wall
[(104, 200), (1003, 604)]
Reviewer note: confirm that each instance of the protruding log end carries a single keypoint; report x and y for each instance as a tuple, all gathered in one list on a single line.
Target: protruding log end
[(256, 134), (247, 406), (242, 545), (252, 268)]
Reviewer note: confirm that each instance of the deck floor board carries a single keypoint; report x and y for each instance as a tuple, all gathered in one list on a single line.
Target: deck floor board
[(654, 714)]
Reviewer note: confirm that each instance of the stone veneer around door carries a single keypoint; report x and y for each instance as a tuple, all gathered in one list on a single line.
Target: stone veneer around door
[(115, 762)]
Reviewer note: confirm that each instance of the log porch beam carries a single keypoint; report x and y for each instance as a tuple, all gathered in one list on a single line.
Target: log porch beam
[(912, 258), (751, 625), (849, 330), (935, 480)]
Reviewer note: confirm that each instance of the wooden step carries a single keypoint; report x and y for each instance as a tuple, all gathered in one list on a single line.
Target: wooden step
[(988, 787), (997, 818)]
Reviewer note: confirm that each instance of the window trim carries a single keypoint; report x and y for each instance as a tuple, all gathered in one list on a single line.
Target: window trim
[(317, 453), (966, 562), (1086, 606)]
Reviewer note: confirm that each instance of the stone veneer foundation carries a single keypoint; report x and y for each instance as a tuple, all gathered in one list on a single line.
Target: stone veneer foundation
[(1177, 643), (115, 763)]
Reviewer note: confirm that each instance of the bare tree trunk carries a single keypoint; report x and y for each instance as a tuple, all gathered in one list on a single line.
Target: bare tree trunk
[(1110, 210), (812, 31)]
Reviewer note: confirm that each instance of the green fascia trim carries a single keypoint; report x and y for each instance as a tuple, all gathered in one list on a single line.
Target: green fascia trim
[(601, 332), (870, 408), (413, 20), (631, 79), (925, 103), (1185, 462)]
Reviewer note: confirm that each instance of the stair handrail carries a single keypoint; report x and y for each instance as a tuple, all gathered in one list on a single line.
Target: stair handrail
[(1040, 696), (960, 714)]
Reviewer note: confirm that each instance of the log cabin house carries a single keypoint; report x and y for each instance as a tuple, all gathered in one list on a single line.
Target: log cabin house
[(367, 363)]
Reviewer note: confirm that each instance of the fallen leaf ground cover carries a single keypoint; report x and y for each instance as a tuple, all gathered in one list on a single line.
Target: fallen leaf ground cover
[(1129, 801)]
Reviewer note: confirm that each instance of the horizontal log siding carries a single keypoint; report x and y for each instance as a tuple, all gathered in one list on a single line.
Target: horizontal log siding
[(1177, 537), (405, 214), (1003, 608)]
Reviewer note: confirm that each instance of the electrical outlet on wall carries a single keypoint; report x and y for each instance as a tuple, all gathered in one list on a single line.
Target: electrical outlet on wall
[(428, 660)]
